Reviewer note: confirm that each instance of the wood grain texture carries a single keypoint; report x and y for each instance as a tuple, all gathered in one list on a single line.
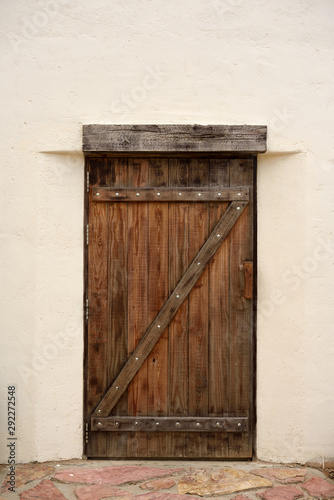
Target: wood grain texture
[(241, 320), (86, 410), (139, 255), (219, 302), (219, 193), (174, 138), (178, 370), (171, 424), (168, 311), (248, 274), (137, 299), (97, 376), (198, 308), (218, 317), (117, 296), (157, 295)]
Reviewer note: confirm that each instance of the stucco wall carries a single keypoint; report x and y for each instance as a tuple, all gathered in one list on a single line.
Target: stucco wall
[(66, 63)]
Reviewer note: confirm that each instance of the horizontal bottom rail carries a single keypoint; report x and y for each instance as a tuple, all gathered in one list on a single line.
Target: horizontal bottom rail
[(170, 424)]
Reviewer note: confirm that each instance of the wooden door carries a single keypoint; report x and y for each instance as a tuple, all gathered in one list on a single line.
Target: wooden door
[(169, 325)]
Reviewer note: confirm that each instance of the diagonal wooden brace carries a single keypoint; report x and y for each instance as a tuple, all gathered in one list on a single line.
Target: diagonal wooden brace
[(170, 308)]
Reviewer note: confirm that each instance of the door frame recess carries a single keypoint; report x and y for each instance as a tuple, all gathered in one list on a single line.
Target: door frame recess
[(244, 141)]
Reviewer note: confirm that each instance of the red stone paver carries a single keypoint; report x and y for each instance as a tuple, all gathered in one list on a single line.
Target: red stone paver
[(281, 493), (319, 488), (163, 496), (45, 490), (26, 473), (114, 475), (283, 475), (97, 492), (240, 497), (159, 484)]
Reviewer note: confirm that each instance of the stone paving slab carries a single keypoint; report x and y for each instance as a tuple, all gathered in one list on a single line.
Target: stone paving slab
[(283, 475), (207, 483), (319, 488), (45, 490), (162, 496), (96, 492), (159, 484), (28, 472), (114, 475), (281, 493), (42, 481)]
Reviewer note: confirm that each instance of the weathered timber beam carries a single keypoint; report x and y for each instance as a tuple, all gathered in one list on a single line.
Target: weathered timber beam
[(250, 139), (160, 194), (170, 424)]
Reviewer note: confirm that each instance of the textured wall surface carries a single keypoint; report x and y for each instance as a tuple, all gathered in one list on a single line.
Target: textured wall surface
[(65, 63)]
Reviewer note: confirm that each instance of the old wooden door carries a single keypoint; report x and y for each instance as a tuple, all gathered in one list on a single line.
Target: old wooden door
[(170, 258)]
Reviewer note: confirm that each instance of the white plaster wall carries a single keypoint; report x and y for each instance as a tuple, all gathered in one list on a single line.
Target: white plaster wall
[(69, 62)]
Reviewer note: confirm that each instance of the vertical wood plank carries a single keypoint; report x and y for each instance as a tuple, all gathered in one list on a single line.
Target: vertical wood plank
[(117, 300), (218, 317), (158, 443), (198, 310), (86, 421), (241, 323), (98, 302), (178, 330), (138, 252)]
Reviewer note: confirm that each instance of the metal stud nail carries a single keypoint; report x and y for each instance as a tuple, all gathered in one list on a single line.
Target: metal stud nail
[(238, 208), (99, 423), (239, 194), (178, 296), (157, 423), (116, 423), (198, 263), (198, 423), (218, 235), (219, 194), (180, 194), (136, 423), (158, 194), (177, 423), (97, 194), (218, 423), (137, 194), (117, 194), (99, 411), (137, 359), (199, 194), (116, 388), (239, 424), (159, 326)]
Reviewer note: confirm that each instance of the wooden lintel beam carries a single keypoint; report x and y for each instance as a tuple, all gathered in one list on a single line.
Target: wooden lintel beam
[(250, 139)]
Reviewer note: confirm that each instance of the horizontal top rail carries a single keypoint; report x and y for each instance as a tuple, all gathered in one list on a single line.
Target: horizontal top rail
[(101, 193)]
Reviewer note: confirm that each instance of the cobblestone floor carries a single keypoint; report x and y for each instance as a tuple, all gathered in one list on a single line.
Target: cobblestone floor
[(163, 480)]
